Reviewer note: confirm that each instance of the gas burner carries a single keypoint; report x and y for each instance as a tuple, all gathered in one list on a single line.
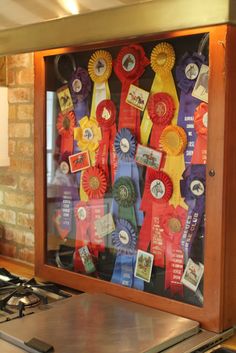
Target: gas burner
[(24, 296)]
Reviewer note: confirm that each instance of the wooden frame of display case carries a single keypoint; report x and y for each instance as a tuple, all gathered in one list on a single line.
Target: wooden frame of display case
[(219, 310)]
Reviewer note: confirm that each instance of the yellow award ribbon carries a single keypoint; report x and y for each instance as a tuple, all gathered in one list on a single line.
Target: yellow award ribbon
[(100, 68), (87, 136), (174, 141), (162, 62)]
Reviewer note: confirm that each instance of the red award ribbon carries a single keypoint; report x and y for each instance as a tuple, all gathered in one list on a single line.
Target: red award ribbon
[(106, 118), (172, 222), (95, 184), (157, 192), (200, 125), (129, 66), (82, 222), (65, 128)]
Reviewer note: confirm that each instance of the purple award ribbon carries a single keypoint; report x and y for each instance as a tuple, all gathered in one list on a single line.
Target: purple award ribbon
[(193, 187), (124, 240), (125, 147), (187, 72), (69, 195)]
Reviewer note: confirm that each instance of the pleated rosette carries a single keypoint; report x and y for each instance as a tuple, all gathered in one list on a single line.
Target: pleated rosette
[(125, 148), (80, 86), (65, 128), (82, 222), (124, 197), (193, 190), (162, 62), (124, 240), (157, 193), (106, 118), (173, 141), (87, 135), (200, 125), (172, 222), (95, 185), (100, 69), (129, 66), (187, 72)]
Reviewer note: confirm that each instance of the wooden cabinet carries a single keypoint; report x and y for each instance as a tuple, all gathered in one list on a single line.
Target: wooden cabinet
[(216, 311)]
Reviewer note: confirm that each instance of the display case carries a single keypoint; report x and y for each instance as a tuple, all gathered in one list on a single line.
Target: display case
[(134, 184)]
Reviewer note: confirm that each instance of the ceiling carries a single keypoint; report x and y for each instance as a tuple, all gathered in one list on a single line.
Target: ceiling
[(17, 13)]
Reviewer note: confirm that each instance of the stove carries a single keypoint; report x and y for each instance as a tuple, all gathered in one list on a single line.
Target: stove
[(20, 297)]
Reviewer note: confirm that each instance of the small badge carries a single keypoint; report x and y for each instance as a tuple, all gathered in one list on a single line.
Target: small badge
[(105, 225), (192, 275), (137, 97), (88, 134), (79, 161), (143, 267), (64, 167), (148, 157), (200, 89), (100, 67), (124, 145), (197, 187), (87, 259), (65, 100), (77, 85), (191, 71), (128, 62), (124, 237), (157, 189), (81, 213)]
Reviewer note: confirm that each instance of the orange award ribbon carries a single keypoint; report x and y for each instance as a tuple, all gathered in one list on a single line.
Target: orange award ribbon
[(200, 125), (100, 68), (162, 62), (65, 128), (173, 141), (129, 66)]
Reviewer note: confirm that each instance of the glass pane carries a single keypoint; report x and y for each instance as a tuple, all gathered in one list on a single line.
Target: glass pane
[(126, 159)]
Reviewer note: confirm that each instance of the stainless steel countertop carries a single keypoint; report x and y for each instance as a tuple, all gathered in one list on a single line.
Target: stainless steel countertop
[(100, 323)]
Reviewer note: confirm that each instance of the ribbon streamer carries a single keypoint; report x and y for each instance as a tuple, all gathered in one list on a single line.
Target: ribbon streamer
[(125, 147), (200, 124), (106, 118), (193, 187), (187, 72), (100, 68), (162, 62), (129, 66), (124, 240)]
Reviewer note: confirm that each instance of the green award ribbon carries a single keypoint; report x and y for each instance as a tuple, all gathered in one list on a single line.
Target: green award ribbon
[(124, 194)]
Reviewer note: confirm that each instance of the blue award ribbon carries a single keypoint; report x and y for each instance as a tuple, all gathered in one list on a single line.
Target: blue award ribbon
[(124, 240), (125, 147)]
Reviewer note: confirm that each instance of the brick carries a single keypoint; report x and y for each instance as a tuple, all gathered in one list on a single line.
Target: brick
[(19, 200), (26, 184), (25, 220), (7, 216), (19, 95), (25, 112), (8, 180), (19, 130), (26, 255), (29, 239), (2, 231), (19, 60), (22, 166), (11, 147), (25, 76), (7, 249), (11, 77), (25, 149), (12, 112)]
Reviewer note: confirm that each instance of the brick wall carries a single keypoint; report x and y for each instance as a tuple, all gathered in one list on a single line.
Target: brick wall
[(17, 181)]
